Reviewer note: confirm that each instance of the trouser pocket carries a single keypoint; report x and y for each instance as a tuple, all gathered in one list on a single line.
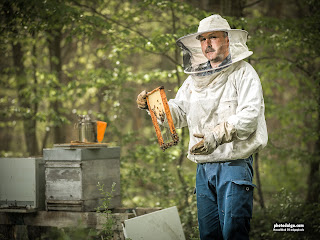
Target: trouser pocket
[(242, 198)]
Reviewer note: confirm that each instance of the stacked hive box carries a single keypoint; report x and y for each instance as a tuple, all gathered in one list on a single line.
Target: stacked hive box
[(72, 176)]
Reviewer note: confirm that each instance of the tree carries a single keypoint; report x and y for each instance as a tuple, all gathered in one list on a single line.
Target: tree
[(13, 19), (288, 59)]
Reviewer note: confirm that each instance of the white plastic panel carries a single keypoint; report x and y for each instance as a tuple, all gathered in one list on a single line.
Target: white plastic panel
[(159, 225), (18, 181)]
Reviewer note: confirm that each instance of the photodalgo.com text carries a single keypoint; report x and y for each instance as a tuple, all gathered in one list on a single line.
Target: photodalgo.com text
[(288, 227)]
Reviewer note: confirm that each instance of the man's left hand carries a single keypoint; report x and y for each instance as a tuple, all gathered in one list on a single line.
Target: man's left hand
[(206, 146)]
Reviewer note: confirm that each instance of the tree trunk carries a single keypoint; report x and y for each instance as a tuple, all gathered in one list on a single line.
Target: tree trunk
[(256, 169), (274, 8), (314, 174), (207, 5), (54, 42), (232, 7), (313, 183), (29, 122)]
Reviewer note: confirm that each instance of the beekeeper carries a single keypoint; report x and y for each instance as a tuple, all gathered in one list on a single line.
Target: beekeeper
[(221, 102)]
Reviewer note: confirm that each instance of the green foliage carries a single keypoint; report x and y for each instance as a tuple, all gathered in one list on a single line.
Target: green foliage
[(160, 185), (107, 231), (78, 232), (151, 177), (286, 208), (111, 50)]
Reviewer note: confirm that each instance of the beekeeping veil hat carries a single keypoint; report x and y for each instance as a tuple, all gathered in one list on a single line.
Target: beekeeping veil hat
[(193, 57)]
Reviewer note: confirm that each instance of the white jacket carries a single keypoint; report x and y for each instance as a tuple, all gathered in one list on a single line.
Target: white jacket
[(233, 95)]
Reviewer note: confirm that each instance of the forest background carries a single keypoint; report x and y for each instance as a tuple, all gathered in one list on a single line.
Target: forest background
[(63, 58)]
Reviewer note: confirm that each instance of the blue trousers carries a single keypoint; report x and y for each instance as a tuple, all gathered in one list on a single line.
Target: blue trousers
[(224, 199)]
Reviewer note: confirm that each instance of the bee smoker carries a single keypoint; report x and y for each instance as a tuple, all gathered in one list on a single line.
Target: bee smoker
[(87, 129)]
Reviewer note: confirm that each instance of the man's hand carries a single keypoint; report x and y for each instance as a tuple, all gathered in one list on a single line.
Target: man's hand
[(198, 148), (142, 100), (222, 133), (206, 146)]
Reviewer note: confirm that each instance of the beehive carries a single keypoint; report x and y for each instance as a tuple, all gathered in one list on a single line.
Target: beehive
[(72, 175)]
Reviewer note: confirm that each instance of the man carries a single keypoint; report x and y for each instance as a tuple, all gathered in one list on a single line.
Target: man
[(222, 104)]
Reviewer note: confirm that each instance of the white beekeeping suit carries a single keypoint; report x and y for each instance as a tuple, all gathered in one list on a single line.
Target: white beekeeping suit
[(225, 104)]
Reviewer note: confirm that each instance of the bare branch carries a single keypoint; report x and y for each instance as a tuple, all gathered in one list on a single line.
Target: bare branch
[(93, 10), (252, 4), (126, 27), (286, 59)]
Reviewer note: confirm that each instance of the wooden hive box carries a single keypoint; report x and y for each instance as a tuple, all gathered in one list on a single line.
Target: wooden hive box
[(72, 176)]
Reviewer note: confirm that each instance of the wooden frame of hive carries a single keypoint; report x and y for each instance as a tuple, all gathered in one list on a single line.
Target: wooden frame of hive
[(159, 110)]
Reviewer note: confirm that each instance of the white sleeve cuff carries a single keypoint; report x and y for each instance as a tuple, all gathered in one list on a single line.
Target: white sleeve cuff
[(233, 120)]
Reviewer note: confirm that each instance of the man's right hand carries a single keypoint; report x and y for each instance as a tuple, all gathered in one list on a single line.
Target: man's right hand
[(142, 100)]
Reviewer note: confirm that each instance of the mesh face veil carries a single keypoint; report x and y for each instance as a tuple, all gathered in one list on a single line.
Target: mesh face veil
[(194, 61)]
